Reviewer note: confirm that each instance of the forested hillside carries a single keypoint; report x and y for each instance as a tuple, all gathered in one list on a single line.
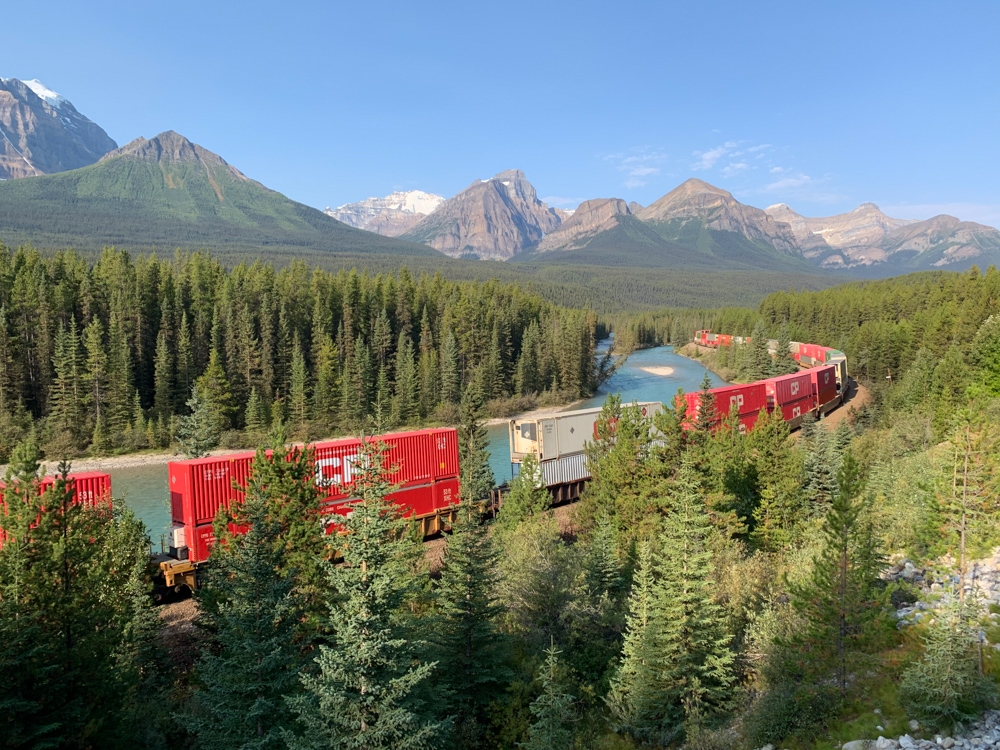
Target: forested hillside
[(106, 357)]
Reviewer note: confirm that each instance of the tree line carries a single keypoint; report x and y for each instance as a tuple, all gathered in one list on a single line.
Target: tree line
[(105, 357)]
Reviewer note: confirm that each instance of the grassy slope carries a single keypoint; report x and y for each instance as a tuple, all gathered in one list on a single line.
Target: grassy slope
[(143, 204)]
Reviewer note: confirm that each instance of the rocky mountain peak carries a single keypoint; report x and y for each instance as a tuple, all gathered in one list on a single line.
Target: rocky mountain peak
[(495, 218), (867, 208), (43, 132), (695, 199), (390, 216), (590, 218), (170, 148)]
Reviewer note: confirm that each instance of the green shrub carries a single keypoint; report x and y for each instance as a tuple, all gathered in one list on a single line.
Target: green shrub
[(782, 713)]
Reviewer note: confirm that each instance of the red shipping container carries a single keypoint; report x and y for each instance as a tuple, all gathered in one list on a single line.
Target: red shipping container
[(749, 399), (795, 409), (787, 388), (823, 377), (89, 487), (826, 396)]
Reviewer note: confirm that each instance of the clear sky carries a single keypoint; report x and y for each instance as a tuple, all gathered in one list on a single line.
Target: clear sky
[(819, 105)]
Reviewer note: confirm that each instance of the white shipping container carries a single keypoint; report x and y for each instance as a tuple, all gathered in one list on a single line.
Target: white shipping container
[(564, 470), (561, 434)]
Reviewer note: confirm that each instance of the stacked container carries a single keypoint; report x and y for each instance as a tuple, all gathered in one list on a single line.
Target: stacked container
[(89, 488), (748, 400), (792, 394), (423, 464), (825, 384), (558, 442)]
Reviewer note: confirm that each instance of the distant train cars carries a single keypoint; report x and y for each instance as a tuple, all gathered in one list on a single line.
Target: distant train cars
[(818, 389), (426, 478), (88, 487), (808, 355)]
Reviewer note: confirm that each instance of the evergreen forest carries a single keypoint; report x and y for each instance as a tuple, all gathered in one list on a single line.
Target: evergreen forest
[(116, 356), (711, 589)]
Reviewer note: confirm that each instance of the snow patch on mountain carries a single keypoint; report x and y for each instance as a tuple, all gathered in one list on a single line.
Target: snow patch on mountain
[(43, 92)]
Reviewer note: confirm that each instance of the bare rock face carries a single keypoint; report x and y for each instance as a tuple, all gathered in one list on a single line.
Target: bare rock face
[(41, 132), (868, 237), (718, 209), (590, 219), (865, 225), (391, 216), (491, 219)]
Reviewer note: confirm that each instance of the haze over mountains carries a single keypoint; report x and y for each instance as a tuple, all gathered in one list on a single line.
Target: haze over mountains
[(64, 182)]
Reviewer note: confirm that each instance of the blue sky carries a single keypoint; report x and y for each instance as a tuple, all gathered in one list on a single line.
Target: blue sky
[(819, 105)]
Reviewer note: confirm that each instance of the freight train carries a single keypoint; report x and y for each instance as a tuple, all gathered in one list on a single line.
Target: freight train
[(425, 474), (425, 463), (557, 442), (88, 487)]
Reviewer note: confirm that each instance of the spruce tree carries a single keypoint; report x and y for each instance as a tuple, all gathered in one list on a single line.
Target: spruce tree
[(286, 476), (406, 400), (528, 497), (68, 392), (215, 395), (472, 649), (475, 474), (163, 398), (693, 644), (198, 432), (783, 362), (250, 669), (760, 358), (946, 685), (839, 602), (255, 417), (706, 419), (450, 374), (364, 688), (299, 394), (553, 709)]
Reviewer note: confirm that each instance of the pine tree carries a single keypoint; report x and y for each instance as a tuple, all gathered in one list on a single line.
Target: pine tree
[(760, 358), (450, 374), (693, 644), (97, 373), (635, 696), (67, 690), (215, 395), (185, 358), (839, 601), (946, 685), (706, 419), (604, 567), (783, 362), (66, 397), (406, 401), (294, 496), (553, 709), (256, 417), (476, 475), (362, 694), (819, 466), (163, 366), (528, 497), (472, 649), (197, 432), (299, 393), (326, 392), (251, 667)]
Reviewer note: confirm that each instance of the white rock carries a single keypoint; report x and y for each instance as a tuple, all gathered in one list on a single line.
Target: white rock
[(913, 724), (885, 744), (906, 742), (857, 745), (947, 743)]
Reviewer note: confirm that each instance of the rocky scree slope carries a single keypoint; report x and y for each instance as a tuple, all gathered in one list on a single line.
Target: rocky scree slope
[(42, 132)]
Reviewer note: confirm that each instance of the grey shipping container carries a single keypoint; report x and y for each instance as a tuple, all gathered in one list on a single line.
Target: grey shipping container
[(560, 435)]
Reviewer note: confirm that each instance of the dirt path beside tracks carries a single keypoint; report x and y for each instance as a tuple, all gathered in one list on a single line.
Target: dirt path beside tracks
[(857, 397)]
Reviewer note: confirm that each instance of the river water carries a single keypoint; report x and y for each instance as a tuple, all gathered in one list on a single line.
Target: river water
[(144, 488)]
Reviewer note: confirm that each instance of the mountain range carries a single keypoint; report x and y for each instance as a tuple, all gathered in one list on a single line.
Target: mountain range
[(64, 182), (694, 225)]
